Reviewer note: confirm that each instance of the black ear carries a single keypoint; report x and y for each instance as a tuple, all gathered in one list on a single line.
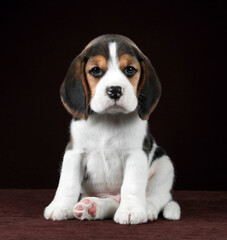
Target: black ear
[(149, 89), (74, 89)]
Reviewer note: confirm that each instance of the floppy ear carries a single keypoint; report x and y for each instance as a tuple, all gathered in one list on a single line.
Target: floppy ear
[(149, 89), (74, 89)]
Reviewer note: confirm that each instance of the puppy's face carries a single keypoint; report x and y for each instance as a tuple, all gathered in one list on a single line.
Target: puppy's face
[(110, 76), (113, 82)]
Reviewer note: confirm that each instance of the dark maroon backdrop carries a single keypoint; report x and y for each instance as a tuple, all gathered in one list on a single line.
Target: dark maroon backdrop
[(186, 44)]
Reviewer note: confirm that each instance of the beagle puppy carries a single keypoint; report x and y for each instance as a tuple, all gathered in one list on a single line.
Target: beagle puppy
[(112, 166)]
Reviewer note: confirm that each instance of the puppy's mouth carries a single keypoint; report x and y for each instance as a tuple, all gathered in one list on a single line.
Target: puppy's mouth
[(115, 108)]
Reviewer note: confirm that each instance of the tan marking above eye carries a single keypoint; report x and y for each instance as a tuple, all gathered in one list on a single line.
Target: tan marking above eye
[(96, 61), (128, 60)]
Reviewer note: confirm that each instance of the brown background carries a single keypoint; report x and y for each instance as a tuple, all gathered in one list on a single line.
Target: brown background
[(185, 41)]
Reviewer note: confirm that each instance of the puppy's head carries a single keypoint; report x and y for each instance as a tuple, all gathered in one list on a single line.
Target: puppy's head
[(111, 75)]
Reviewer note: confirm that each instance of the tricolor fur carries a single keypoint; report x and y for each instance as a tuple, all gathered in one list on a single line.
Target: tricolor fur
[(112, 166)]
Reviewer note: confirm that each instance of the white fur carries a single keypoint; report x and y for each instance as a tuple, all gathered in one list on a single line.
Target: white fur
[(108, 147)]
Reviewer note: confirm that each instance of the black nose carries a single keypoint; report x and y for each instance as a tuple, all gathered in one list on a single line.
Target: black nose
[(114, 92)]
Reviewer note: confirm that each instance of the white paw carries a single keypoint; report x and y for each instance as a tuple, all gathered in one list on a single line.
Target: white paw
[(130, 215), (172, 211), (152, 213), (85, 209), (58, 212)]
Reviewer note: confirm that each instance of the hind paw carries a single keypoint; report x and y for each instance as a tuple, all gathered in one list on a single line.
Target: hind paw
[(85, 209), (172, 211)]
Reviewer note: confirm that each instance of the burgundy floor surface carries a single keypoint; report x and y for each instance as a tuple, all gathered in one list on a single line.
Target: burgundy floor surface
[(204, 216)]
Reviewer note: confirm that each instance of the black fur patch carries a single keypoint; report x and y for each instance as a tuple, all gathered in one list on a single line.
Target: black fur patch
[(150, 91), (72, 90), (99, 48), (148, 143), (75, 118), (159, 152)]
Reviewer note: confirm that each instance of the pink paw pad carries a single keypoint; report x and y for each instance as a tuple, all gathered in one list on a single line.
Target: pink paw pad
[(80, 208), (92, 210), (86, 201), (79, 215)]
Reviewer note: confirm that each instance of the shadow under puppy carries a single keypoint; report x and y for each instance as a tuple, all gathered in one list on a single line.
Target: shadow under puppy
[(112, 167)]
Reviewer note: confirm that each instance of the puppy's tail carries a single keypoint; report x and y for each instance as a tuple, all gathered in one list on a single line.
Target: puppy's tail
[(172, 211)]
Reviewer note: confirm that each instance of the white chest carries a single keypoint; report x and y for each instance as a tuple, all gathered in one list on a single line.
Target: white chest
[(105, 146)]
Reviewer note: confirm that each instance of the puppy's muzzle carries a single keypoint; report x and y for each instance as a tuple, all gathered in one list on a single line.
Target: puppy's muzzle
[(114, 92)]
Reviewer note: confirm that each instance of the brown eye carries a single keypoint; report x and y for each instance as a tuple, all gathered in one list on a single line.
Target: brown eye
[(96, 72), (130, 71)]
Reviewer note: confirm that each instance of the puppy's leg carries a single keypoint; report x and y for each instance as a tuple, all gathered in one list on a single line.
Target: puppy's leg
[(132, 209), (92, 208), (67, 194), (161, 175)]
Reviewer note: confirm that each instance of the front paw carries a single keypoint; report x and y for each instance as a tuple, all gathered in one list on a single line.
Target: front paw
[(58, 212), (130, 215)]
